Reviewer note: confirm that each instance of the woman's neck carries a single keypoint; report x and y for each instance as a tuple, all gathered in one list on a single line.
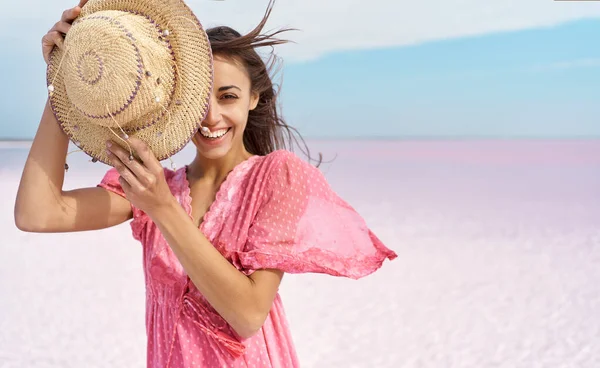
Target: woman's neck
[(215, 170)]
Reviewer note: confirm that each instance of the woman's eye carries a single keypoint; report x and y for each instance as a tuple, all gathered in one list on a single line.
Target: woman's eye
[(228, 97)]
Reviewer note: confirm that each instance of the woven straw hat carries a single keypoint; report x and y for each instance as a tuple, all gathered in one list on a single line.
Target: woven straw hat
[(132, 67)]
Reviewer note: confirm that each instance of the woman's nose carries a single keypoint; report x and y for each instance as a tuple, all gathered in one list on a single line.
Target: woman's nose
[(213, 114)]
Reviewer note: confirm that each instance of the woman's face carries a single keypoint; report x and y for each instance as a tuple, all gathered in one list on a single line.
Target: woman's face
[(230, 103)]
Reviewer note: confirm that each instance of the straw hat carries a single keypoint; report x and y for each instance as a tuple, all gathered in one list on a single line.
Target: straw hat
[(132, 67)]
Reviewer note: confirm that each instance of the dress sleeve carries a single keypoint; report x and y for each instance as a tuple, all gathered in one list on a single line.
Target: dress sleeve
[(302, 225), (110, 182)]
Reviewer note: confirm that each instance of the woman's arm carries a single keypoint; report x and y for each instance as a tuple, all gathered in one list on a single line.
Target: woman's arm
[(42, 205), (243, 301)]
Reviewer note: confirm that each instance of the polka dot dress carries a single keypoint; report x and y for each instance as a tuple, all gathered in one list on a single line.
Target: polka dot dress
[(273, 211)]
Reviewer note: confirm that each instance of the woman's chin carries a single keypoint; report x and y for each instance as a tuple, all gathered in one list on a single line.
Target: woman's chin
[(210, 148)]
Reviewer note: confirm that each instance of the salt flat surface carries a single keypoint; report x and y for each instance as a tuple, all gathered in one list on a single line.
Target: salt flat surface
[(499, 266)]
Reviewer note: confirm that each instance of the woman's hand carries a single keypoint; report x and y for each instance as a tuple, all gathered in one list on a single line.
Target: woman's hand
[(143, 181), (55, 36)]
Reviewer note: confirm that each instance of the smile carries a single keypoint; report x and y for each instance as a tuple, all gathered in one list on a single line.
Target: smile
[(216, 134)]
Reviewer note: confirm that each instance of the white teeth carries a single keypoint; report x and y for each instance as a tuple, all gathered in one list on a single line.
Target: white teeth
[(217, 134)]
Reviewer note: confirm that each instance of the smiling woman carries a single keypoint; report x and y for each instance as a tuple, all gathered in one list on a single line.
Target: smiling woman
[(218, 234)]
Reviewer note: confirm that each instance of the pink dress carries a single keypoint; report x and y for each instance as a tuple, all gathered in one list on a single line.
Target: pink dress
[(273, 211)]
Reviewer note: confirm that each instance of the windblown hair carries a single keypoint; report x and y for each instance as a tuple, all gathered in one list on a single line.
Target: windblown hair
[(266, 130)]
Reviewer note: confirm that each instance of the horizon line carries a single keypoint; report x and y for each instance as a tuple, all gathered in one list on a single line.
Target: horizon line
[(401, 138)]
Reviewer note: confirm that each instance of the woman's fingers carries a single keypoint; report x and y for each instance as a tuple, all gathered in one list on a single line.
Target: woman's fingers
[(49, 41), (55, 37), (62, 27), (136, 168), (146, 155), (69, 15), (124, 184), (118, 161)]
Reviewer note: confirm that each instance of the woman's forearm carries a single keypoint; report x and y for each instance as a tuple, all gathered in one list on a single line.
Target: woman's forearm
[(235, 296)]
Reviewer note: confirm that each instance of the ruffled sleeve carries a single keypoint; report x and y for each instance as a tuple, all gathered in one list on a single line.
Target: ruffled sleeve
[(302, 225), (110, 182)]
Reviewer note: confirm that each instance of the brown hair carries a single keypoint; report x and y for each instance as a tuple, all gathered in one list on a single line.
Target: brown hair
[(266, 130)]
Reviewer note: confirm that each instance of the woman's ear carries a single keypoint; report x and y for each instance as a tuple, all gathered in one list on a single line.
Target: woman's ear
[(254, 100)]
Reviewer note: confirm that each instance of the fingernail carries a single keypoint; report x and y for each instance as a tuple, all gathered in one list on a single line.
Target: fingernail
[(108, 144), (125, 137), (108, 153)]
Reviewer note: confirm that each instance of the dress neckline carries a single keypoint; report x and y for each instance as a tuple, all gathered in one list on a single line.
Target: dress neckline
[(221, 191)]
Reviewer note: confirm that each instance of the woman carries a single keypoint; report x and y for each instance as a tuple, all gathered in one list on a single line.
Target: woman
[(218, 234)]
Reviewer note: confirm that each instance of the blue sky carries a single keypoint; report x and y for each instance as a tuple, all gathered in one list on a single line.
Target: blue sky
[(532, 83), (513, 78)]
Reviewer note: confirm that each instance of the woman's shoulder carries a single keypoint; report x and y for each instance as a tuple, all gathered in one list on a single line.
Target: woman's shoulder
[(286, 169), (286, 159)]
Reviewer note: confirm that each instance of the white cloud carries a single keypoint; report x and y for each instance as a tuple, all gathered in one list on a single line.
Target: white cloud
[(335, 25)]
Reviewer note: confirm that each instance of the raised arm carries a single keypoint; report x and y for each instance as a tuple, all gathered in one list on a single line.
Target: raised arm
[(41, 204)]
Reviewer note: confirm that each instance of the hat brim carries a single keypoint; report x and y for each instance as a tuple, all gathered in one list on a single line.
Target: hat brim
[(188, 105)]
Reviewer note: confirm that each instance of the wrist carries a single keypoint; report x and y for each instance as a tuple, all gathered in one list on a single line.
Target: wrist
[(166, 210)]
